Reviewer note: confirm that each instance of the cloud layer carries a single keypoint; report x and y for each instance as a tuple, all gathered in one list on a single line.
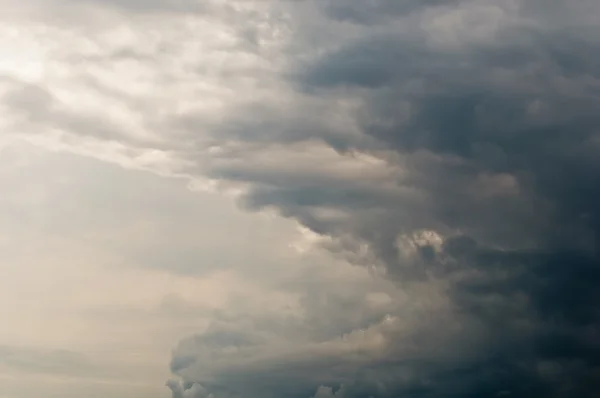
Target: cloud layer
[(451, 148)]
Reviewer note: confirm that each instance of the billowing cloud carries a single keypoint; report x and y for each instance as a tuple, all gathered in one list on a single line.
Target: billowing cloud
[(450, 148), (480, 170)]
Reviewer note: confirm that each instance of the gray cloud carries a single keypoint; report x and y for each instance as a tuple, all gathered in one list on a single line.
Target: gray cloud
[(493, 133), (451, 146)]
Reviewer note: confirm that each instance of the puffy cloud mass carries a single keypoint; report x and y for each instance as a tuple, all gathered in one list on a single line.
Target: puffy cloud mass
[(449, 147)]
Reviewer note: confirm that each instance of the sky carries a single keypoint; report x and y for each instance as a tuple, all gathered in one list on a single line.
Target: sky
[(299, 199)]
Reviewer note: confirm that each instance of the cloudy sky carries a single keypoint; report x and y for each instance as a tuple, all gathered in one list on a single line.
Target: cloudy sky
[(299, 199)]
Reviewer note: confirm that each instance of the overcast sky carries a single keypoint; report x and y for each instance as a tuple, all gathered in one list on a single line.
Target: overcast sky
[(299, 199)]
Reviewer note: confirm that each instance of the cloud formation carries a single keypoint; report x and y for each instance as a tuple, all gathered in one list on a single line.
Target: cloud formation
[(479, 119), (450, 147)]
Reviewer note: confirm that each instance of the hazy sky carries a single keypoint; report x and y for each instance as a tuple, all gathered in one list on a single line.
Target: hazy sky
[(299, 199)]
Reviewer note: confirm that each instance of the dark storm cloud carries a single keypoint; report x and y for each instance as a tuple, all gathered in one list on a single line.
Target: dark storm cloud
[(462, 159), (480, 128)]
